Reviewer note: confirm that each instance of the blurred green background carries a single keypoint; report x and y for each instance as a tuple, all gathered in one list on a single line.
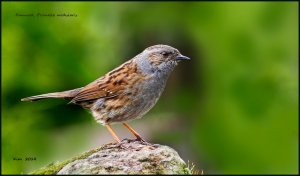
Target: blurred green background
[(232, 109)]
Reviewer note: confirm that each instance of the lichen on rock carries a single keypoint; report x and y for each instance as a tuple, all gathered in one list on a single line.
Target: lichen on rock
[(127, 157)]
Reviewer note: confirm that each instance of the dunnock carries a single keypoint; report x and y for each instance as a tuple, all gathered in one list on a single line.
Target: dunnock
[(127, 92)]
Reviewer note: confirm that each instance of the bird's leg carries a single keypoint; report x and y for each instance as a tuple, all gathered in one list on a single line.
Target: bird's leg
[(113, 133), (134, 132)]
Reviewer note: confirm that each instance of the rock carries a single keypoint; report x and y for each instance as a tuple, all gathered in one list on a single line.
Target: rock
[(127, 157)]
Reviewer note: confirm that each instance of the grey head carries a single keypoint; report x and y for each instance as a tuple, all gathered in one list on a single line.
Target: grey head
[(159, 59)]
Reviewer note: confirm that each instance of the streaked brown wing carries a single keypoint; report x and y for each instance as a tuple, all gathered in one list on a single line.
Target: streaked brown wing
[(110, 85), (98, 89)]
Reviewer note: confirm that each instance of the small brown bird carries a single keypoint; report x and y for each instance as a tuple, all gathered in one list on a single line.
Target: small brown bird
[(127, 92)]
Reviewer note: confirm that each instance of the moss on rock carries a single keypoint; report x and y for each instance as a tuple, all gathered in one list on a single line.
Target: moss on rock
[(127, 157)]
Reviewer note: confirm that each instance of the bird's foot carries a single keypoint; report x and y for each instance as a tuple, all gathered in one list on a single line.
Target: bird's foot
[(140, 139)]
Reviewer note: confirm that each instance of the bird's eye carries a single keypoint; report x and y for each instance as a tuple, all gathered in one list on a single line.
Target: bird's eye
[(165, 54)]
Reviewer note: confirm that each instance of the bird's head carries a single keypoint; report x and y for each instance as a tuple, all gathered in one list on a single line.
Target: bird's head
[(162, 57)]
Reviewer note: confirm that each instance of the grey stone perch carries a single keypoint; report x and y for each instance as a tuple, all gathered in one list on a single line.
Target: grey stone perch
[(127, 157)]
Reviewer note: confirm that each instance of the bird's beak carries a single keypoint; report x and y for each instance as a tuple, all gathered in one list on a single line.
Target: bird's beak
[(182, 57)]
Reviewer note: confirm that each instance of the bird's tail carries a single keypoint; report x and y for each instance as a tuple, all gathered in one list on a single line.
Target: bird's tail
[(65, 94)]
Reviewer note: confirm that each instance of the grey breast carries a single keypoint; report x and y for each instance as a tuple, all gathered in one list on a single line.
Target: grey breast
[(149, 92)]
